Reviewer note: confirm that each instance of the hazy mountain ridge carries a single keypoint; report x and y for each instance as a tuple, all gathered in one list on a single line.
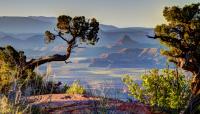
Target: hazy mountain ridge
[(117, 47), (28, 43), (126, 53), (130, 58), (23, 25), (37, 25)]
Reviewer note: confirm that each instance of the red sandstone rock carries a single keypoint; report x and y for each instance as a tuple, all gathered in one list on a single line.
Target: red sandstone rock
[(81, 104)]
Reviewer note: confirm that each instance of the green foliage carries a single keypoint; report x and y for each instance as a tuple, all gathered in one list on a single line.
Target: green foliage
[(181, 36), (166, 89), (11, 62), (76, 88), (12, 74), (5, 107), (80, 28), (8, 108), (6, 77)]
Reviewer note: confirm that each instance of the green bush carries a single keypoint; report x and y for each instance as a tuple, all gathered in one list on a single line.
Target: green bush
[(7, 76), (166, 89), (7, 107), (76, 88), (11, 74)]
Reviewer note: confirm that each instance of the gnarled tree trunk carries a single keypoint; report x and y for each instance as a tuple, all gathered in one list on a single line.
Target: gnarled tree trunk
[(195, 85), (194, 103), (33, 63)]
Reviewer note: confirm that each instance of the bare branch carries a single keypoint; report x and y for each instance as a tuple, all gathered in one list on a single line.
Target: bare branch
[(153, 37), (42, 60), (37, 62), (60, 36)]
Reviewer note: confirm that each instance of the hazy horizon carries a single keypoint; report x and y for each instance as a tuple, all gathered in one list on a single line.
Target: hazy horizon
[(121, 13), (100, 23)]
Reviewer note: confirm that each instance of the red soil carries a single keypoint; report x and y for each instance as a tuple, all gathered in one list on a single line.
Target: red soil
[(81, 104)]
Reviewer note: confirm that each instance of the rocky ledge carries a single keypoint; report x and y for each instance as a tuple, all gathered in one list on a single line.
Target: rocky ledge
[(83, 104)]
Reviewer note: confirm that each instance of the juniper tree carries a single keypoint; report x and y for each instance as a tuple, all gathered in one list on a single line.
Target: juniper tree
[(78, 29), (181, 34)]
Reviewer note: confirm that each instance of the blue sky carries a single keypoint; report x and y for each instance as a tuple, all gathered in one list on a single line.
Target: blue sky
[(122, 13)]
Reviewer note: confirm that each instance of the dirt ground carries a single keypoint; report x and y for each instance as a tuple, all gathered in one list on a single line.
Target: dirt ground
[(82, 104)]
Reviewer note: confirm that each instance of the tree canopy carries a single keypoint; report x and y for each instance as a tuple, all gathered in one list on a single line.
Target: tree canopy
[(12, 68), (165, 89), (181, 35), (15, 65), (73, 31)]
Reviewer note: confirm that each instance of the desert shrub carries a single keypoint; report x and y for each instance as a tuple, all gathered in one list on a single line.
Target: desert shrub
[(11, 74), (76, 88), (64, 88), (165, 89), (14, 78), (40, 87), (55, 87), (7, 107), (7, 76), (32, 84)]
